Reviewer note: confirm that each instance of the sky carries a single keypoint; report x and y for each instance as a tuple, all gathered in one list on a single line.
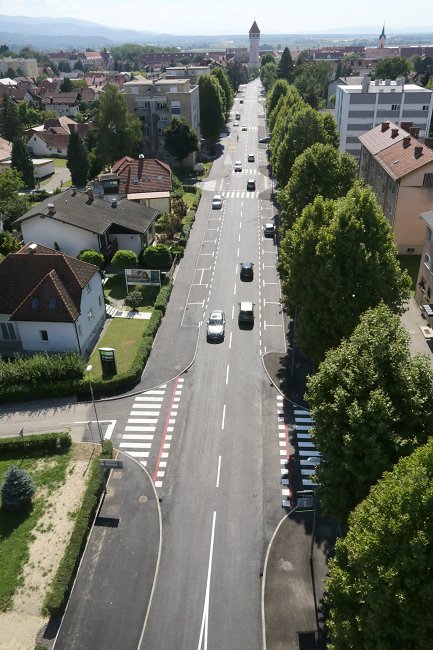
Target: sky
[(225, 17)]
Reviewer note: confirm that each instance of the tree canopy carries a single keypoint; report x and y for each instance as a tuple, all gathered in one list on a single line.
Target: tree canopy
[(391, 68), (212, 107), (285, 68), (380, 586), (12, 204), (77, 160), (10, 123), (279, 89), (312, 82), (268, 75), (227, 89), (319, 171), (21, 161), (180, 139), (338, 260)]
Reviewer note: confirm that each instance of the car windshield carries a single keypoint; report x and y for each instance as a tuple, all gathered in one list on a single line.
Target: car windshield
[(215, 319)]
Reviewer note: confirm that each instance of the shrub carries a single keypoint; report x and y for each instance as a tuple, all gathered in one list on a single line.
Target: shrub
[(92, 257), (17, 489), (49, 443), (124, 259), (133, 299), (40, 368), (156, 257), (163, 297)]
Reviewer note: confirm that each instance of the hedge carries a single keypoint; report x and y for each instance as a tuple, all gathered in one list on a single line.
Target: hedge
[(46, 442), (163, 297), (40, 368), (61, 585)]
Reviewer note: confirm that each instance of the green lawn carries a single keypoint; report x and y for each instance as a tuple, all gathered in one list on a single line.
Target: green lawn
[(115, 288), (124, 335), (411, 264), (48, 472)]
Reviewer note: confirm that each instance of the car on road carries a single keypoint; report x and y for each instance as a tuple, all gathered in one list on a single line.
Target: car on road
[(251, 184), (244, 127), (216, 325), (217, 202), (241, 101), (251, 157), (238, 166), (246, 271), (246, 314), (235, 123), (269, 230), (265, 140)]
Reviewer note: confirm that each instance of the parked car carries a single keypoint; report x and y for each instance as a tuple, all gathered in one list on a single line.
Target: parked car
[(269, 230), (265, 140), (217, 202), (251, 157), (238, 166), (246, 271), (215, 325), (251, 184)]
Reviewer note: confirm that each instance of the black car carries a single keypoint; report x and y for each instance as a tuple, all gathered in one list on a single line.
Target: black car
[(265, 140), (246, 271)]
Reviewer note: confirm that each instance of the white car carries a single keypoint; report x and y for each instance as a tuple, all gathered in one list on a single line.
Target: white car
[(235, 123), (217, 202), (244, 127), (238, 166), (269, 230), (215, 325)]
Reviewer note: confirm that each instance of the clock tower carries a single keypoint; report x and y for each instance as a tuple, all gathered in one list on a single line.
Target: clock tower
[(254, 58)]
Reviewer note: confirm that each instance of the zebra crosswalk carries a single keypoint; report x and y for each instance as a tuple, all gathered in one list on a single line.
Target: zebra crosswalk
[(239, 194), (308, 454), (283, 440)]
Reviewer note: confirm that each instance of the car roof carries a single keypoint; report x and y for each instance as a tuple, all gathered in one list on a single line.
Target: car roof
[(269, 225), (246, 306), (216, 312), (246, 265)]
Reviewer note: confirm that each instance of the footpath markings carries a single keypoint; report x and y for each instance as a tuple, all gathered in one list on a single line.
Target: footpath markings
[(308, 454)]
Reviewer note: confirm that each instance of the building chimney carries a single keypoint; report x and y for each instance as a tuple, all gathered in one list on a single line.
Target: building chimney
[(384, 126), (394, 133), (141, 156), (89, 191), (73, 190), (406, 126), (32, 249), (114, 203), (428, 142), (417, 152), (406, 141), (51, 208), (414, 130)]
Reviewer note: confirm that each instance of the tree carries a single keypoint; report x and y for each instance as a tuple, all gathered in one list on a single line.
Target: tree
[(77, 159), (282, 110), (91, 257), (267, 58), (180, 139), (124, 259), (156, 257), (379, 589), (279, 89), (391, 68), (118, 133), (66, 86), (12, 204), (318, 171), (338, 260), (21, 161), (10, 124), (285, 69), (237, 73), (79, 65), (64, 66), (30, 116), (9, 243), (305, 127), (372, 403), (134, 299), (11, 73), (17, 489), (312, 82), (268, 75), (212, 107), (227, 89)]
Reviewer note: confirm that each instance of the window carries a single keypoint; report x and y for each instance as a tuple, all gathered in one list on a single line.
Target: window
[(52, 303), (44, 335), (395, 107), (89, 287), (99, 300), (425, 107), (90, 315), (35, 302), (428, 180), (8, 332), (427, 261)]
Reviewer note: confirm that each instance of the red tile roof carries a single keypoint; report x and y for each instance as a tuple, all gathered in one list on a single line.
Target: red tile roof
[(149, 174)]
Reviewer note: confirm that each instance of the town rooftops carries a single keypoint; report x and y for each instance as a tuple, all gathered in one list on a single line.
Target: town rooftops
[(142, 175), (95, 215)]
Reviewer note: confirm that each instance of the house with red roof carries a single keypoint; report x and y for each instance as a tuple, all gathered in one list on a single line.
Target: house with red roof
[(399, 169), (49, 302)]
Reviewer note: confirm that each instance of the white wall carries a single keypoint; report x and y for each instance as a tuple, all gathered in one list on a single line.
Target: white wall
[(38, 147), (61, 337), (128, 242), (47, 231), (89, 330)]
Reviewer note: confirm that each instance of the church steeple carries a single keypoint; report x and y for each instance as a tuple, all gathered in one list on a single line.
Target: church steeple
[(382, 37), (254, 36)]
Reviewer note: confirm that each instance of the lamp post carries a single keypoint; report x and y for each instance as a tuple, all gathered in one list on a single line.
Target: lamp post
[(88, 370)]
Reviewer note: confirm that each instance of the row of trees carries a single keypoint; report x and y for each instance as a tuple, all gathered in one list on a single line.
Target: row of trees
[(371, 400)]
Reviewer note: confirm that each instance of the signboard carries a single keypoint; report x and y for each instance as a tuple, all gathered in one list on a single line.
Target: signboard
[(108, 362), (142, 276)]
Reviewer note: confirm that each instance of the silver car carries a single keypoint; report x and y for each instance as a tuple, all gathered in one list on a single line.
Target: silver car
[(215, 325)]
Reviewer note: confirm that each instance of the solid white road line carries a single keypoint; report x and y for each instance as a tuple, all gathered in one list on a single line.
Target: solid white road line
[(202, 644), (218, 472), (224, 417), (227, 374)]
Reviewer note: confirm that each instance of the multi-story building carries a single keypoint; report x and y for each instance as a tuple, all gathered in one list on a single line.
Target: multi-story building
[(424, 285), (399, 169), (22, 67), (192, 72), (156, 103), (362, 107)]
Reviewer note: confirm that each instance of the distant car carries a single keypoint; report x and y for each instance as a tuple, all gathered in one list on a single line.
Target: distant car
[(251, 157), (246, 271), (217, 202), (265, 140), (215, 325), (251, 185), (238, 166), (235, 123), (244, 127), (269, 230), (241, 101)]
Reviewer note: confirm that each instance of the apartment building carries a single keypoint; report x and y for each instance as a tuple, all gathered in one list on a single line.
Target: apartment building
[(22, 67), (360, 108), (399, 169), (424, 285), (156, 103)]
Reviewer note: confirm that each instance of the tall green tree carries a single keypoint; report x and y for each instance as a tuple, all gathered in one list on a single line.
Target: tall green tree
[(285, 68), (212, 107), (282, 111), (77, 159), (180, 139), (312, 82), (10, 124), (267, 58), (380, 585), (17, 489), (391, 68), (279, 89), (12, 204), (338, 260), (237, 73), (372, 403), (319, 171), (304, 128), (227, 89), (66, 86), (118, 133), (268, 75), (21, 161)]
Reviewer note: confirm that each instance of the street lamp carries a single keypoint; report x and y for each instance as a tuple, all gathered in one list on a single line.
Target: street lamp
[(88, 370)]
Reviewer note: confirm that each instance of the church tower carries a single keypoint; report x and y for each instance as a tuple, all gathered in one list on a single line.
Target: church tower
[(382, 38), (254, 58)]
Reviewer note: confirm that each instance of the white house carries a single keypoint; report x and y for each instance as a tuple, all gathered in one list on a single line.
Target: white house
[(73, 221), (360, 108), (49, 302)]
